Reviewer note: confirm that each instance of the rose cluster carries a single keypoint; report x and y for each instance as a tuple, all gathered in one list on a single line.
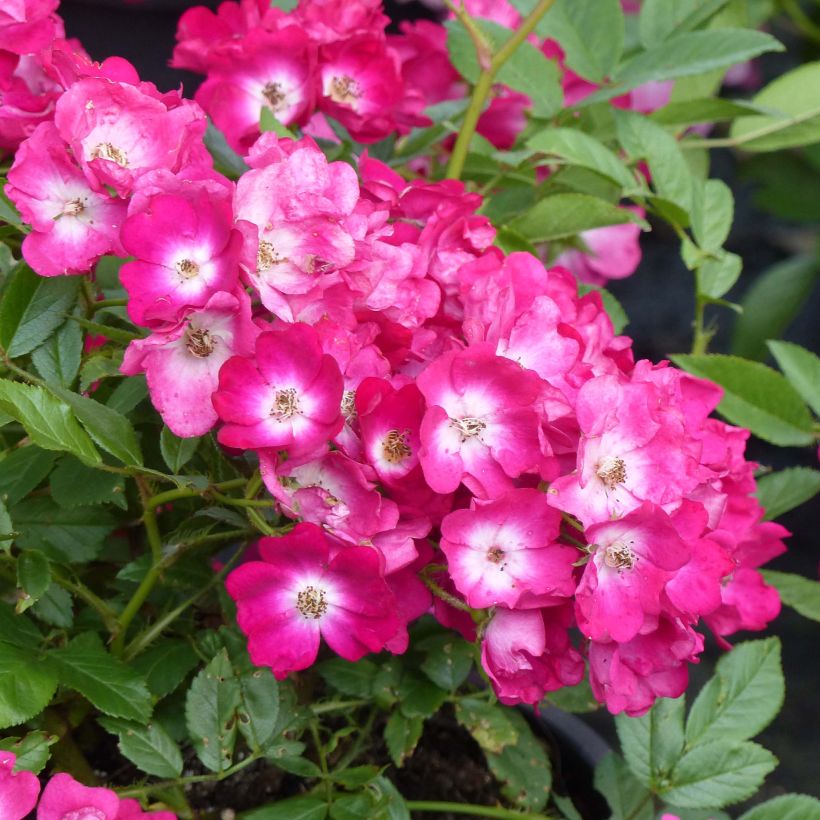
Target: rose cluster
[(455, 430), (63, 798)]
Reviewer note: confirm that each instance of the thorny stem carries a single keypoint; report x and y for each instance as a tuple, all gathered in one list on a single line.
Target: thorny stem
[(483, 87), (444, 595), (109, 617), (472, 810)]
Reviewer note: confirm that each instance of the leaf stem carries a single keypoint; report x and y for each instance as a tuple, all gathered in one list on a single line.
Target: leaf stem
[(482, 88), (472, 810)]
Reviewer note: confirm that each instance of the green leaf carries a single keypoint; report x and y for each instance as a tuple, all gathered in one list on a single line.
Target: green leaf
[(755, 396), (783, 491), (642, 139), (26, 685), (625, 795), (795, 97), (113, 687), (269, 122), (75, 485), (576, 699), (32, 751), (9, 213), (67, 535), (717, 275), (653, 743), (103, 365), (6, 527), (785, 807), (564, 215), (258, 710), (49, 421), (176, 451), (128, 394), (685, 55), (353, 807), (488, 723), (299, 765), (33, 577), (591, 33), (527, 70), (705, 109), (402, 734), (57, 360), (801, 594), (33, 307), (226, 160), (802, 368), (56, 607), (210, 712), (110, 429), (392, 805), (660, 18), (772, 302), (523, 769), (165, 664), (447, 661), (356, 776), (18, 630), (22, 470), (354, 679), (742, 697), (150, 747), (306, 807), (712, 214), (713, 775), (579, 148), (418, 697)]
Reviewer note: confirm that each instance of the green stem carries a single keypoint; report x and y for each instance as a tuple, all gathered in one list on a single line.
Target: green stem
[(444, 595), (109, 617), (107, 303), (636, 812), (702, 336), (741, 139), (241, 502), (338, 706), (320, 754), (139, 791), (472, 810), (483, 87), (355, 748)]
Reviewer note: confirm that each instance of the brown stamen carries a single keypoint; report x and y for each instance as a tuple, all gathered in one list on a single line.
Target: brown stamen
[(267, 256), (468, 427), (285, 404), (199, 342), (395, 447), (275, 96), (612, 471), (311, 602), (105, 150), (619, 556), (187, 268), (345, 90)]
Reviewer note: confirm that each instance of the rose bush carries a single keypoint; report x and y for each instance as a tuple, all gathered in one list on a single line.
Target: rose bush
[(316, 416)]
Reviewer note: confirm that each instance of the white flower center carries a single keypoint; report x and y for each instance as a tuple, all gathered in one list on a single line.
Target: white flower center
[(267, 256), (468, 427), (619, 556), (285, 404), (187, 268), (612, 471), (312, 602)]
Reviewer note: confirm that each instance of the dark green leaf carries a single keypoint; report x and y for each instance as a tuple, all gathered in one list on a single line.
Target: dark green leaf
[(306, 807), (801, 594), (110, 429), (210, 712), (113, 687), (26, 685), (32, 751), (564, 215), (755, 396), (18, 630), (259, 706), (653, 743), (33, 577), (356, 776), (712, 214), (49, 421), (75, 485), (150, 747), (802, 368), (67, 535), (165, 665), (6, 527), (448, 660), (742, 697), (786, 807), (783, 491), (22, 470), (33, 308), (353, 807), (713, 775), (176, 451), (299, 765), (128, 394), (99, 366), (706, 109), (226, 160), (795, 97), (772, 302), (401, 734), (55, 607), (625, 795), (576, 699), (355, 679), (58, 359), (660, 18), (390, 803), (418, 697)]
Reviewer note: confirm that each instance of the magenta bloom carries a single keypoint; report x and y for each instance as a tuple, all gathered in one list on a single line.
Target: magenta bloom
[(302, 592), (289, 396), (505, 552), (27, 26), (186, 250), (481, 425), (18, 790), (73, 225), (182, 364)]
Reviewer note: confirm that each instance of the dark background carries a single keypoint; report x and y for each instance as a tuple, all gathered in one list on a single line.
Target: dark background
[(659, 301)]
